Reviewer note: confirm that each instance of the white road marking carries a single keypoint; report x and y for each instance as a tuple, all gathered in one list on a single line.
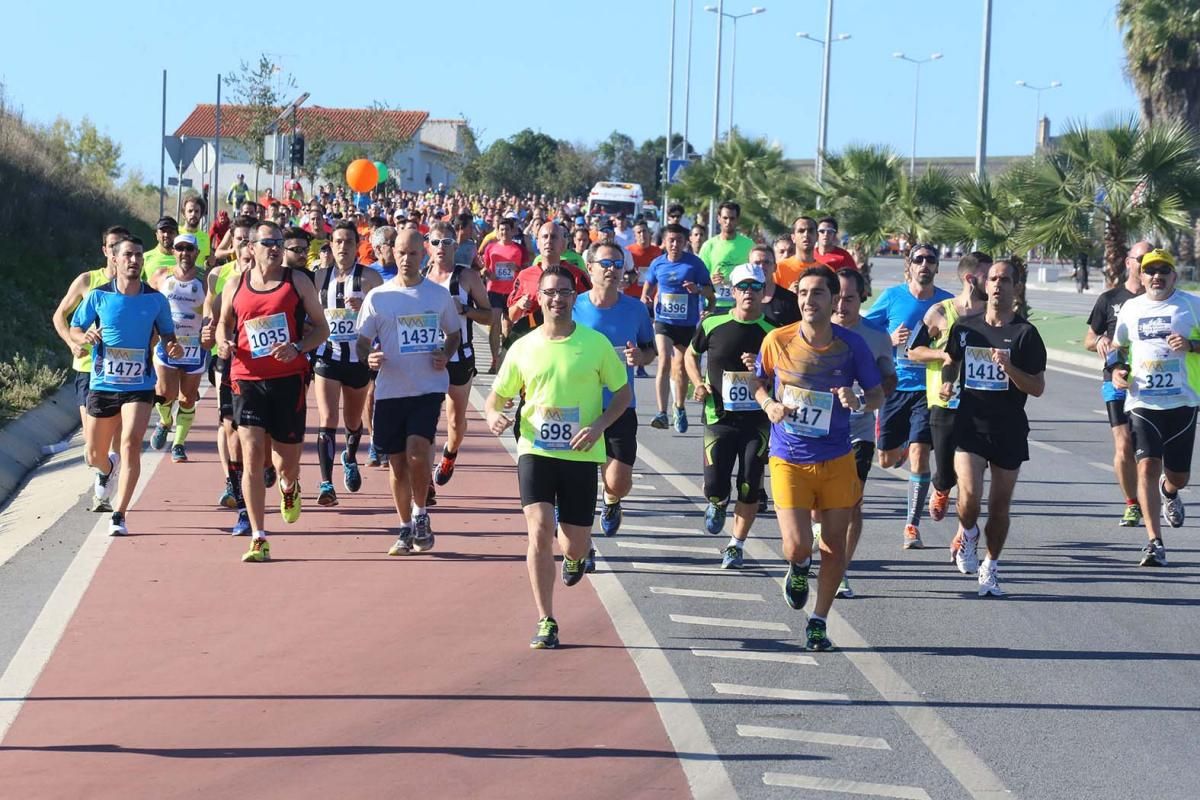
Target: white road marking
[(813, 737), (779, 694), (1100, 465), (677, 569), (1049, 447), (793, 781), (674, 548), (659, 529), (798, 659), (1099, 411), (754, 598), (721, 622)]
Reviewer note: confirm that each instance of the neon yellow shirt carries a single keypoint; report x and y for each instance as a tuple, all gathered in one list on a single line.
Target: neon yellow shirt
[(96, 277), (563, 381), (933, 370), (154, 261)]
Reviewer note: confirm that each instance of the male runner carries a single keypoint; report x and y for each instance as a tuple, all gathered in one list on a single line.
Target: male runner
[(806, 373), (725, 251), (261, 331), (126, 314), (383, 242), (828, 252), (561, 369), (677, 283), (502, 260), (1158, 334), (524, 301), (1101, 324), (736, 431), (784, 247), (296, 243), (409, 316), (194, 210), (905, 416), (180, 377), (697, 236), (804, 237), (1002, 361), (163, 256)]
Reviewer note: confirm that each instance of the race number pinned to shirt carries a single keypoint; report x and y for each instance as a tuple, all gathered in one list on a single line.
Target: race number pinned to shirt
[(342, 325), (737, 391), (1160, 377), (192, 353), (983, 374), (263, 333), (673, 307), (809, 412), (123, 366), (554, 428), (504, 270), (418, 333), (724, 293)]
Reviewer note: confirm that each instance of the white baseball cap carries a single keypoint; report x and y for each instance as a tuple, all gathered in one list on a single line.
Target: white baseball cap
[(747, 272)]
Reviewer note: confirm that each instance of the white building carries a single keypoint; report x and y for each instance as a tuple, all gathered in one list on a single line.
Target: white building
[(429, 156)]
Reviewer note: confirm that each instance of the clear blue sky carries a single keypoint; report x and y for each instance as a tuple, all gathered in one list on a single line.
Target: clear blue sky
[(578, 70)]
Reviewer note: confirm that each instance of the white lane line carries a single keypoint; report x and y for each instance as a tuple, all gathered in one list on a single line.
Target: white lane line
[(1049, 447), (946, 745), (721, 622), (779, 694), (677, 569), (706, 774), (659, 529), (1100, 412), (798, 659), (674, 548), (1075, 372), (813, 737), (1101, 465), (753, 598), (793, 781)]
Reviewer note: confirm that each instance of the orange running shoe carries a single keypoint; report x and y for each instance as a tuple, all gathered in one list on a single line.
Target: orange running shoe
[(938, 503), (912, 538)]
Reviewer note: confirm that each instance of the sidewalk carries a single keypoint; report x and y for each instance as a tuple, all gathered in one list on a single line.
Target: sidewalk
[(333, 671)]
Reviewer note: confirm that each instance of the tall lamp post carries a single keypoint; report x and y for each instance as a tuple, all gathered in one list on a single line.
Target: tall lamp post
[(823, 124), (1039, 89), (733, 54), (912, 161)]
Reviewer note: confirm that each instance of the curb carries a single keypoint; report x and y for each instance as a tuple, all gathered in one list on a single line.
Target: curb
[(22, 440)]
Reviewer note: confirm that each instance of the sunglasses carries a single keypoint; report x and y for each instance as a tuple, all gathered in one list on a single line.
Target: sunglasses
[(924, 259), (610, 263), (297, 249), (826, 230), (269, 243), (550, 294), (749, 286), (1159, 270), (442, 242)]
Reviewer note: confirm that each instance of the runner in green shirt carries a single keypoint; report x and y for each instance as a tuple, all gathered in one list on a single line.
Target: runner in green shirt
[(725, 251)]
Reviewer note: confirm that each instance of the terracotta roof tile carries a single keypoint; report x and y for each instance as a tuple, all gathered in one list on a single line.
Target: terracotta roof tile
[(344, 124)]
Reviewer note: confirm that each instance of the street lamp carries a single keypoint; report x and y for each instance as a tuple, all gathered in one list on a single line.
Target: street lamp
[(733, 54), (912, 161), (1039, 90), (823, 124)]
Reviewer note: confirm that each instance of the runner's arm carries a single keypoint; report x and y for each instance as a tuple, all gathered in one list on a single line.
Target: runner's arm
[(481, 312), (918, 347), (70, 300), (691, 365), (225, 248), (319, 332)]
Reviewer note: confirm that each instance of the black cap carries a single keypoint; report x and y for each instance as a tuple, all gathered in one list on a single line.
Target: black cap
[(165, 223)]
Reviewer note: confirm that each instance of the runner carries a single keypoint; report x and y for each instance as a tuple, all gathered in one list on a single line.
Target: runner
[(697, 236), (905, 416), (262, 314), (524, 301), (784, 247), (383, 241), (194, 209), (804, 238), (561, 370), (806, 372), (341, 376), (736, 431), (725, 251), (406, 315), (828, 252), (296, 242), (126, 314), (163, 256), (1101, 324), (626, 323), (81, 354), (1157, 336), (676, 284), (502, 260), (643, 252), (1005, 363), (180, 377)]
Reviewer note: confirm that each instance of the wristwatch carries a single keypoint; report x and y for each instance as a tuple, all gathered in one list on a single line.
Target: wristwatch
[(299, 351)]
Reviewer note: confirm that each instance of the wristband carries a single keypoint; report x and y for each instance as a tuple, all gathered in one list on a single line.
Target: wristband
[(299, 351)]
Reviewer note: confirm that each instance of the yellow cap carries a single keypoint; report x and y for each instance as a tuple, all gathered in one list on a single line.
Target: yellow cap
[(1158, 257)]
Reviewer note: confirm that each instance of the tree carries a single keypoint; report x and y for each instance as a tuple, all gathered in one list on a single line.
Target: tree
[(334, 169), (988, 216), (96, 157), (1162, 58), (258, 90), (520, 164), (318, 148)]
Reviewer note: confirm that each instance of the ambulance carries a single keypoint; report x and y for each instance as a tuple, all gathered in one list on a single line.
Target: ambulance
[(611, 198)]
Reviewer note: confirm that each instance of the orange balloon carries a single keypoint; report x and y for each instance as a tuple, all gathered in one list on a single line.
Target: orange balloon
[(361, 175)]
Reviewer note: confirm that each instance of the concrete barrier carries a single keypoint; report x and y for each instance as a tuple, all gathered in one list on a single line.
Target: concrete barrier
[(22, 440)]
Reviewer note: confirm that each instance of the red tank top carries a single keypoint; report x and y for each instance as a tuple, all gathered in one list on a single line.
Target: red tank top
[(265, 319)]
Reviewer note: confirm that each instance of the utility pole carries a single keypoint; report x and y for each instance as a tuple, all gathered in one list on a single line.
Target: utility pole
[(984, 63), (662, 211), (162, 158)]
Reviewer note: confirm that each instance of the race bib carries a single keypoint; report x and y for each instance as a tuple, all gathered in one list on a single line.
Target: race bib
[(983, 374), (809, 412), (737, 391), (724, 293), (342, 325), (554, 428), (418, 333), (1160, 377), (503, 270), (123, 366), (673, 307), (263, 333), (192, 354)]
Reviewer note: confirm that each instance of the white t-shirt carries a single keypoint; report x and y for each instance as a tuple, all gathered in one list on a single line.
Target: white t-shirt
[(1159, 377), (406, 321), (624, 238)]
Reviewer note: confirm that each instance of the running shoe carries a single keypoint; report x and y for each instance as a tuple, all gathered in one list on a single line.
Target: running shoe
[(714, 517), (681, 420), (403, 545), (912, 538), (640, 372), (242, 526), (546, 637), (732, 557), (104, 486), (260, 550), (938, 503), (101, 505), (227, 498), (763, 507), (116, 526), (573, 571), (1132, 516), (660, 421), (989, 580), (589, 561), (326, 496), (815, 637), (844, 589), (178, 454), (964, 552), (422, 537), (610, 518), (795, 586), (373, 456), (269, 476), (431, 496), (290, 503), (351, 477), (1154, 554), (1173, 511), (158, 440), (444, 471)]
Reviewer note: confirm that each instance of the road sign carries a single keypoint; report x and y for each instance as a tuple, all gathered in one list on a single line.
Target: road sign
[(674, 167)]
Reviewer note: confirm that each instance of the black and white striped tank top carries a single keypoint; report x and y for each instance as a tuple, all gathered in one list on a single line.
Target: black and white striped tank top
[(340, 346), (466, 326)]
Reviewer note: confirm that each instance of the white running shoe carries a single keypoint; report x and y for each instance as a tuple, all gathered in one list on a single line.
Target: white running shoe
[(116, 526), (964, 552), (1172, 507), (989, 580), (105, 486)]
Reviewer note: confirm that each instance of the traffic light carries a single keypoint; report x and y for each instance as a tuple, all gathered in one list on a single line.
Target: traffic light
[(298, 150)]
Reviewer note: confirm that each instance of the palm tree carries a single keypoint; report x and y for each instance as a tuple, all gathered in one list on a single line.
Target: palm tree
[(1162, 58), (988, 216)]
